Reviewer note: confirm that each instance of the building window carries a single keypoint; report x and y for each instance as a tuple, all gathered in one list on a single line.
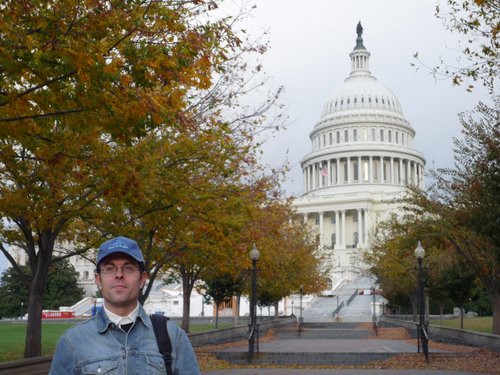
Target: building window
[(345, 170), (338, 137), (331, 138), (324, 140), (362, 99), (381, 135), (332, 220), (355, 135), (356, 171), (389, 136), (397, 137), (175, 303), (355, 238), (373, 134), (403, 136), (85, 275), (334, 239), (346, 136), (317, 221), (355, 217)]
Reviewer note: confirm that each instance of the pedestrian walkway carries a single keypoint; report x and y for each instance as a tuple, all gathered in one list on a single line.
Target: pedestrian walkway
[(326, 344), (265, 371)]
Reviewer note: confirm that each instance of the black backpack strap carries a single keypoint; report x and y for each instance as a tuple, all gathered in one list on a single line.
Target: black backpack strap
[(163, 340)]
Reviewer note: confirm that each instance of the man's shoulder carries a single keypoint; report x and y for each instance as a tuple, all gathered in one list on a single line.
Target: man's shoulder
[(86, 325)]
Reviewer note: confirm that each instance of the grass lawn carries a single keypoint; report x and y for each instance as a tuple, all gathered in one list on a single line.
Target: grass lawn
[(12, 337), (480, 324)]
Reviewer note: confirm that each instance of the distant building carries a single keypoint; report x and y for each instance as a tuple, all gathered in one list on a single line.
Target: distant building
[(362, 158)]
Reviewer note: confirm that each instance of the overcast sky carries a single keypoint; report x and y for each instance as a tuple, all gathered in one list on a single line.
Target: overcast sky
[(309, 51), (310, 42)]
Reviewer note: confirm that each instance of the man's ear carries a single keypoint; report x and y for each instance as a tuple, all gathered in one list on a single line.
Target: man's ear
[(98, 280)]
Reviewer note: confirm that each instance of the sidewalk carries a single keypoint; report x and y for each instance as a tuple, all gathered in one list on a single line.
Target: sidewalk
[(263, 371), (312, 351)]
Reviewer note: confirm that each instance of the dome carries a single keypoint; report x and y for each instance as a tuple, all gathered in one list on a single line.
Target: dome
[(361, 93)]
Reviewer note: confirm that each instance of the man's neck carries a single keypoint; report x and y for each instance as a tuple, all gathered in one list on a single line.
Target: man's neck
[(115, 314)]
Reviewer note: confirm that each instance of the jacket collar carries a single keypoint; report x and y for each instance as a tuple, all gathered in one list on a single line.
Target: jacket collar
[(103, 321)]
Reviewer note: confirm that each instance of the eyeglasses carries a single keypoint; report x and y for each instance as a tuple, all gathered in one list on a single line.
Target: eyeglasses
[(110, 269)]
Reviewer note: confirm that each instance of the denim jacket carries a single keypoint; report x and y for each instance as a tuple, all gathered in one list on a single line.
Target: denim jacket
[(97, 346)]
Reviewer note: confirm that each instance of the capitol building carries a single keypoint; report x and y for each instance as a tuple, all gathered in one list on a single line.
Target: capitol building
[(362, 158)]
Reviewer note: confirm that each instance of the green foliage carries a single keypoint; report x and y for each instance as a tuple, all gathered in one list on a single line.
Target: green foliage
[(478, 22), (222, 287), (13, 292), (456, 220), (61, 289)]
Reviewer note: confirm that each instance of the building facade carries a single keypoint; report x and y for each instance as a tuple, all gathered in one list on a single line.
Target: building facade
[(361, 160)]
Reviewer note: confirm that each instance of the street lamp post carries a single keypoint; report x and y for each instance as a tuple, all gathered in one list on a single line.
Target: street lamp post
[(422, 336), (292, 306), (300, 313), (254, 256), (21, 311), (374, 316)]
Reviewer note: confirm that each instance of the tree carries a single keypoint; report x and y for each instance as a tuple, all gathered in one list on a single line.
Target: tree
[(479, 59), (459, 212), (61, 289), (106, 74), (222, 288)]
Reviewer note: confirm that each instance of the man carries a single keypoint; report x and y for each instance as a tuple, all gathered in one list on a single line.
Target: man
[(120, 339)]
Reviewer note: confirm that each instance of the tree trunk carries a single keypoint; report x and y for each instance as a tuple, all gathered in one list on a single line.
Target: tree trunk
[(39, 268), (414, 307), (496, 312), (186, 301), (461, 317), (216, 315), (237, 311)]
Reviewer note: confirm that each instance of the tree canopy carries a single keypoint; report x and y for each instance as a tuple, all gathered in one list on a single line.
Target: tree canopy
[(456, 218)]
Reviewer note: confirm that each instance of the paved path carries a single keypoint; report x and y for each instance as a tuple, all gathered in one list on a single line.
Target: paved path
[(263, 371), (332, 346)]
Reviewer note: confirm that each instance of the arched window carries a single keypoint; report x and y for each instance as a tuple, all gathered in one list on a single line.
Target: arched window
[(346, 136), (338, 137), (389, 136), (85, 275), (355, 135)]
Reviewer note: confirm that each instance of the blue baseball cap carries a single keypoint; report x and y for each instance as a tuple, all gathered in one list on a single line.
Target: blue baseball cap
[(122, 245)]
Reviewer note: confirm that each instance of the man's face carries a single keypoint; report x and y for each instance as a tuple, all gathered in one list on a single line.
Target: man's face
[(120, 282)]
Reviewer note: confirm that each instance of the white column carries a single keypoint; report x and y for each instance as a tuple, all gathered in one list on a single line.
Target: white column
[(366, 226), (392, 170), (408, 173), (348, 169), (314, 176), (360, 170), (306, 187), (329, 175), (370, 169), (305, 218), (415, 174), (320, 177), (401, 172), (343, 228), (360, 229), (321, 240), (337, 231), (337, 173)]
